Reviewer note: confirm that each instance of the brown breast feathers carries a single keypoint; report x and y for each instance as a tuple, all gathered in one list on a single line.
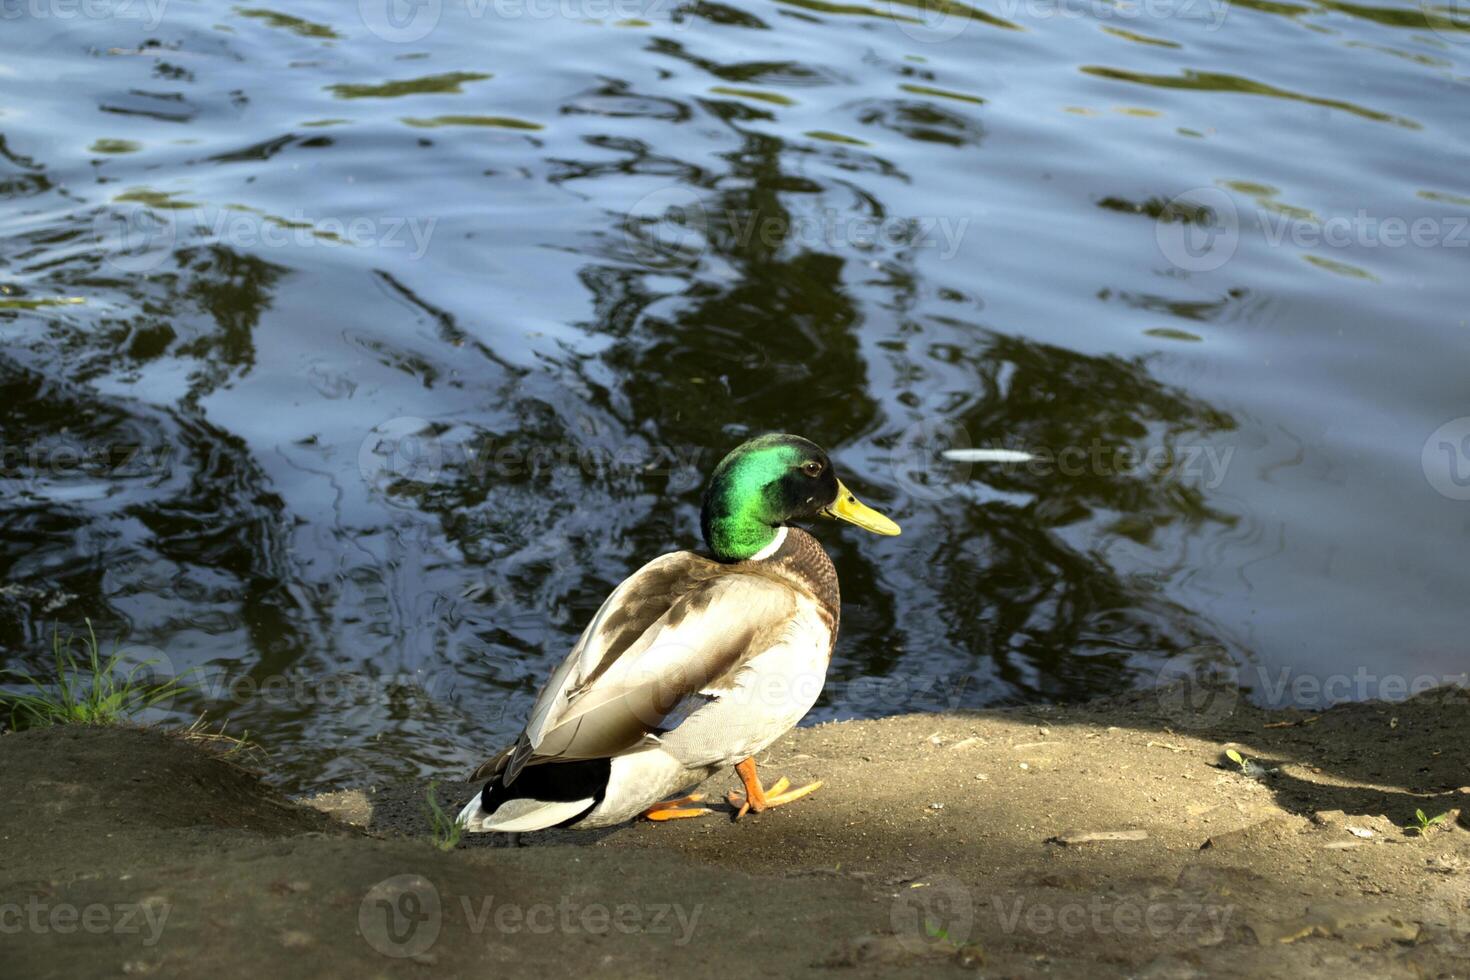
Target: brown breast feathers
[(803, 562)]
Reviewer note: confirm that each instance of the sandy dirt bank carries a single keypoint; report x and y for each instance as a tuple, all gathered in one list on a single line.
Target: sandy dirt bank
[(1111, 839)]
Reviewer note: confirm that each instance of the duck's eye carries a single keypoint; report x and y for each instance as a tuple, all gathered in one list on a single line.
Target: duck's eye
[(811, 468)]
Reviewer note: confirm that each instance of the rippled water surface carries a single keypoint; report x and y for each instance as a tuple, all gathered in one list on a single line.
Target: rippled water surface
[(352, 352)]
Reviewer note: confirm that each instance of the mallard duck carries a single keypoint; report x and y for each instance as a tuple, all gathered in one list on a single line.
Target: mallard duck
[(694, 663)]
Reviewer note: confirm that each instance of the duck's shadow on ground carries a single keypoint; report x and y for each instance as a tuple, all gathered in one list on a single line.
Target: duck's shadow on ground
[(1314, 766), (402, 810)]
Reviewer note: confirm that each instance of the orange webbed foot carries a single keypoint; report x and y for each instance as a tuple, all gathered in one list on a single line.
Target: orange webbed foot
[(757, 798), (675, 809)]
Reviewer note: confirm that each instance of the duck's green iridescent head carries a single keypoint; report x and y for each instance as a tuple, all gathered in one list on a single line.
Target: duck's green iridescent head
[(770, 482)]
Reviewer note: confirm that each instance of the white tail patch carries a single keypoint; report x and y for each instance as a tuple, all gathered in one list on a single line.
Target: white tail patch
[(519, 816)]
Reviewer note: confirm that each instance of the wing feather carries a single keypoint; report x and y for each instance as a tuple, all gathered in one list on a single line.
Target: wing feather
[(672, 629)]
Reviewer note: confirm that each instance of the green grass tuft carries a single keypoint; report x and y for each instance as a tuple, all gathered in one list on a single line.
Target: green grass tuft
[(444, 830), (1423, 824), (86, 690)]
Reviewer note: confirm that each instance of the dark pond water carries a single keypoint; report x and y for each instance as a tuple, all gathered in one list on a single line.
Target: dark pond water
[(352, 352)]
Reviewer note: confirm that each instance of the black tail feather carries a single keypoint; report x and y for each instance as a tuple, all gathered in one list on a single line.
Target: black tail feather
[(556, 782)]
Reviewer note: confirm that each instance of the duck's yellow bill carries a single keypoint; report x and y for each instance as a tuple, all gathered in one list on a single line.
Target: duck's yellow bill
[(852, 510)]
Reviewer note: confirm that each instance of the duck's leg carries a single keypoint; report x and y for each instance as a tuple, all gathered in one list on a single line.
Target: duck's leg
[(675, 809), (757, 799)]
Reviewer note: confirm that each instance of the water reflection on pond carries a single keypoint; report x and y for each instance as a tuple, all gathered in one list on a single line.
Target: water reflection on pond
[(351, 360)]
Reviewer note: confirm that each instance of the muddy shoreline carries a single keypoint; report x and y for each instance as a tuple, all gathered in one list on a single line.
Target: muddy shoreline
[(1107, 839)]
